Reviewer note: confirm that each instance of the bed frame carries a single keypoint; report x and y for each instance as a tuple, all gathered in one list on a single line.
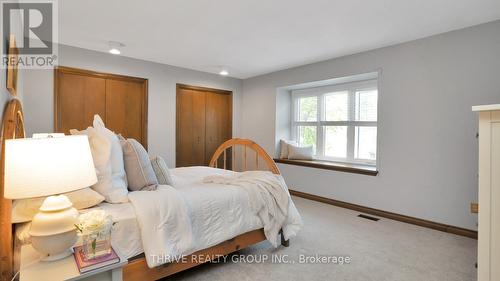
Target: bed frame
[(226, 156), (12, 128)]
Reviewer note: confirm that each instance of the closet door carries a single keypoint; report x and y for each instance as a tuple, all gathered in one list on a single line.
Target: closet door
[(218, 118), (125, 104), (190, 128), (204, 121), (121, 101), (78, 98)]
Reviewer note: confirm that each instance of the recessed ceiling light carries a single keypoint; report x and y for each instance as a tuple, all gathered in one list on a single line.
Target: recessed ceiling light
[(224, 72), (115, 51), (114, 47)]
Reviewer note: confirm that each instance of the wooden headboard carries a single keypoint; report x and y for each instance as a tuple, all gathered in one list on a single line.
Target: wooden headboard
[(227, 156), (12, 127)]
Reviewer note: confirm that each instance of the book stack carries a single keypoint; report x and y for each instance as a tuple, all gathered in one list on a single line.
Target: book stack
[(86, 265)]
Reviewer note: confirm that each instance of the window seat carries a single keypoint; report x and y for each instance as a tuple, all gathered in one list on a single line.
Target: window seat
[(335, 166)]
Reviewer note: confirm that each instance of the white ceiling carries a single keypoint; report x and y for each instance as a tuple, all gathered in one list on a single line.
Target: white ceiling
[(254, 37)]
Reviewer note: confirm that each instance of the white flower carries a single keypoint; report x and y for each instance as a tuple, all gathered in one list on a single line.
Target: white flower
[(94, 220)]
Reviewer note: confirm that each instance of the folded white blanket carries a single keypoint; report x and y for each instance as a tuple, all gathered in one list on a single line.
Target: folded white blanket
[(164, 222), (268, 194)]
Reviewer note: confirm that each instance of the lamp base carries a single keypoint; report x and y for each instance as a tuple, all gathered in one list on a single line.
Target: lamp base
[(58, 256), (54, 247), (53, 230)]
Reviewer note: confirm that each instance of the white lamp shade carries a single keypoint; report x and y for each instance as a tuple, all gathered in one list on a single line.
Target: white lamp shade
[(46, 166)]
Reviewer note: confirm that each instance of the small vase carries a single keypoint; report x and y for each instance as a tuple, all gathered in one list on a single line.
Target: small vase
[(97, 243)]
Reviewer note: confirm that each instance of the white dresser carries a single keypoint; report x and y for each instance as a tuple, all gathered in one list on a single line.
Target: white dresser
[(489, 192)]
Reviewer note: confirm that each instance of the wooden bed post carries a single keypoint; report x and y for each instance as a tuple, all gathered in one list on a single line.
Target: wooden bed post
[(12, 127), (285, 243)]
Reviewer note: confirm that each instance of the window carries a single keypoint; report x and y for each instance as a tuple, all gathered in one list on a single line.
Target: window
[(339, 121)]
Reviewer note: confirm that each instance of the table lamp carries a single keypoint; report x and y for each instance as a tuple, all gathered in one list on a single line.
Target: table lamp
[(36, 167)]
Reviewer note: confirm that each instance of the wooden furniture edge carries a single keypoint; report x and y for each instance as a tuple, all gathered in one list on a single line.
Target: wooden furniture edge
[(138, 270), (105, 75), (12, 127), (199, 88), (356, 169), (12, 70), (389, 215), (145, 113)]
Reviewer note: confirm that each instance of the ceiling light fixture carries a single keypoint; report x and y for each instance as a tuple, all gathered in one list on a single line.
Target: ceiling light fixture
[(115, 51), (224, 72), (114, 47)]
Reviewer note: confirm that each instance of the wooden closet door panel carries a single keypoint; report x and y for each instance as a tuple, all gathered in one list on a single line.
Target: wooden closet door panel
[(78, 99), (218, 122), (190, 145), (124, 109)]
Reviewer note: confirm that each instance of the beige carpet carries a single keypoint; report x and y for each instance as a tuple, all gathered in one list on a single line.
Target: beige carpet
[(383, 250)]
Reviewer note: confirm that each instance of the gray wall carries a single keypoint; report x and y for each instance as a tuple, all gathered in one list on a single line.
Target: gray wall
[(427, 144), (39, 101)]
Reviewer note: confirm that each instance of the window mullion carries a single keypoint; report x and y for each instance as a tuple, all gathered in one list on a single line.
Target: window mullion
[(319, 129), (294, 119), (350, 127)]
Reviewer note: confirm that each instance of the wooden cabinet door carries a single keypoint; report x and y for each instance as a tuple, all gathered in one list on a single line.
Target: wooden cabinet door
[(125, 103), (489, 196), (121, 101), (218, 122), (78, 98), (190, 128)]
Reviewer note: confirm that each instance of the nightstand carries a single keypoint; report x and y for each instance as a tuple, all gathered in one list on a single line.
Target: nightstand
[(64, 269)]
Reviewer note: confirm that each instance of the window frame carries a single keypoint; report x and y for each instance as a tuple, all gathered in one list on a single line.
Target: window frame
[(320, 92)]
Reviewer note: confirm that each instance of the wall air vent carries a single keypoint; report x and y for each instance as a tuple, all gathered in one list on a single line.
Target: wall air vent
[(368, 217)]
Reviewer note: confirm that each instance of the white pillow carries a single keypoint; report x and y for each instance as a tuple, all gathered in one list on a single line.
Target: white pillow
[(300, 153), (161, 171), (101, 153), (24, 210), (284, 144), (118, 175)]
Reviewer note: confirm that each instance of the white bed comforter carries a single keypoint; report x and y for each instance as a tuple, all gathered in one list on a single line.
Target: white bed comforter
[(195, 215), (164, 223), (268, 198)]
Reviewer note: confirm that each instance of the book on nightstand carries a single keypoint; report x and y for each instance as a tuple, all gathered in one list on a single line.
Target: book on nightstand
[(85, 265)]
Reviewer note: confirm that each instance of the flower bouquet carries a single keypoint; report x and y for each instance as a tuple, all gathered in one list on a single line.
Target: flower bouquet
[(95, 229)]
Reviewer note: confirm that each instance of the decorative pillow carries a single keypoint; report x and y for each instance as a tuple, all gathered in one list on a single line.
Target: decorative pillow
[(161, 170), (300, 153), (140, 173), (284, 144), (118, 176), (101, 153), (24, 210)]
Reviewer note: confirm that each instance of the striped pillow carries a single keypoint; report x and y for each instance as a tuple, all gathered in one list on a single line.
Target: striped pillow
[(161, 170)]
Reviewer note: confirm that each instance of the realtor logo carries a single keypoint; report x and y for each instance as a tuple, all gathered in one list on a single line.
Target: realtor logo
[(32, 26)]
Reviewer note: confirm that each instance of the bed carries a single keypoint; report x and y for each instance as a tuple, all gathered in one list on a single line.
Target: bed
[(234, 154)]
